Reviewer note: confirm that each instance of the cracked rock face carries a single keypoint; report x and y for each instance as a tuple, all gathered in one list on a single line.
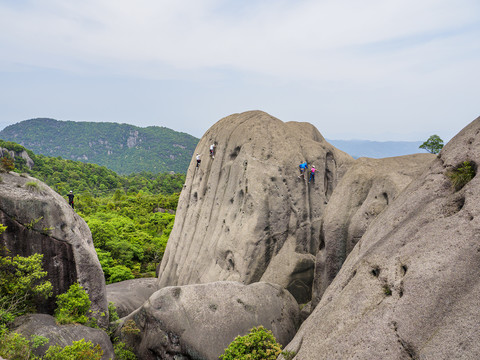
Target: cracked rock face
[(200, 321), (239, 210), (410, 288), (367, 188), (39, 220)]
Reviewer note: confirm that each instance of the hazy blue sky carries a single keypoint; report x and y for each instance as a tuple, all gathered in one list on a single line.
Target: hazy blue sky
[(371, 69)]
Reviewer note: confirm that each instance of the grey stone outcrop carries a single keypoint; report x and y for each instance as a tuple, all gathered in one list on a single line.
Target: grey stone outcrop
[(129, 295), (39, 220), (410, 288), (200, 321), (238, 211), (368, 187), (62, 335), (13, 154)]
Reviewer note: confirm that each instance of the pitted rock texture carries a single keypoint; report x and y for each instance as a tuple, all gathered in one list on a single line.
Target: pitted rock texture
[(129, 295), (39, 220), (62, 335), (200, 321), (238, 210), (367, 188), (410, 288)]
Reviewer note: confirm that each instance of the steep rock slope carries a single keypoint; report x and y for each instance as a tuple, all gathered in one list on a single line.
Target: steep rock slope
[(239, 210), (39, 220), (410, 288), (367, 188)]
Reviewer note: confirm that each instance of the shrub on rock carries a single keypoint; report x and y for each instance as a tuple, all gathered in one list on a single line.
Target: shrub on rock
[(259, 344)]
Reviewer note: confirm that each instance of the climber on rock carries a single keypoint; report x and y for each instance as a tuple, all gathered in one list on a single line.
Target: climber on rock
[(312, 174), (198, 160), (212, 150), (303, 166)]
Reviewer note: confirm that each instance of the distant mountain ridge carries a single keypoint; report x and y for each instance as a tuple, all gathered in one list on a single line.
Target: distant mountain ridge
[(123, 148), (126, 148), (377, 149)]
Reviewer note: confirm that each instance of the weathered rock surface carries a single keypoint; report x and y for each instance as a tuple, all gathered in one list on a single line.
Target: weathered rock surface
[(129, 295), (237, 211), (39, 220), (367, 188), (63, 335), (410, 288), (200, 321)]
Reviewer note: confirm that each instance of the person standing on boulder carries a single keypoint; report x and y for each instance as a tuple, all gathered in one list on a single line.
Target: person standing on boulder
[(198, 160), (312, 174), (70, 199), (303, 166)]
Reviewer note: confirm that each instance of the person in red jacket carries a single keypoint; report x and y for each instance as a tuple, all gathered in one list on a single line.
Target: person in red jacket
[(312, 174)]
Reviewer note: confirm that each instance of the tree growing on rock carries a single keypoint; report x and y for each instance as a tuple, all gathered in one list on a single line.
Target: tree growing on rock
[(433, 145)]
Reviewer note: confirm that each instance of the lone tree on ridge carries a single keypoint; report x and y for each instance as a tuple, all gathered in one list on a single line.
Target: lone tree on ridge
[(433, 145)]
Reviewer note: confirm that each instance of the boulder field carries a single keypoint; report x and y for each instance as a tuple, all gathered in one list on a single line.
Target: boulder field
[(384, 252)]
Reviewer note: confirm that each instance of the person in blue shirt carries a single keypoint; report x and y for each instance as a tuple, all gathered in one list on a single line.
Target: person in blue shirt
[(303, 166)]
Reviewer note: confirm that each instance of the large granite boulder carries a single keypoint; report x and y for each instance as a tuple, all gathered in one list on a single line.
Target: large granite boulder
[(39, 220), (62, 335), (238, 210), (367, 188), (200, 321), (129, 295), (410, 288)]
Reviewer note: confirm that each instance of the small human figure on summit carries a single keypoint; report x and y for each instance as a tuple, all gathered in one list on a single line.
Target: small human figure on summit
[(70, 199), (212, 150), (312, 174), (303, 166), (198, 160)]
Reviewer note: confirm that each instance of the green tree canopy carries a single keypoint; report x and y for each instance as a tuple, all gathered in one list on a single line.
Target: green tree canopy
[(433, 145)]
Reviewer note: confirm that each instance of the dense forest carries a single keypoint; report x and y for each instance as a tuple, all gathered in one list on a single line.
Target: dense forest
[(130, 216), (123, 148)]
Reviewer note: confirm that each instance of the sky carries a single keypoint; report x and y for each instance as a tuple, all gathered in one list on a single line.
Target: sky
[(374, 69)]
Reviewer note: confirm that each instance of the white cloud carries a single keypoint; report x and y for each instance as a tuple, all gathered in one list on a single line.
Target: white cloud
[(361, 56), (319, 39)]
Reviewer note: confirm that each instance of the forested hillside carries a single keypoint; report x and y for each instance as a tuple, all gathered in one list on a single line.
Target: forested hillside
[(130, 217), (120, 147)]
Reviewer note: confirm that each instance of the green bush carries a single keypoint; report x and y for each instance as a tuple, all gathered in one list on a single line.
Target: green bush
[(259, 344), (79, 350), (15, 346), (21, 282), (460, 176), (73, 306), (120, 273), (122, 352), (112, 312), (7, 164)]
